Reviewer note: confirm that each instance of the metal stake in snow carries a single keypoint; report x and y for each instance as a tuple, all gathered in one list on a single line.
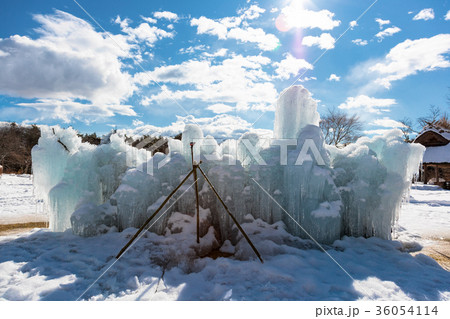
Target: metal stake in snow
[(196, 192), (193, 171)]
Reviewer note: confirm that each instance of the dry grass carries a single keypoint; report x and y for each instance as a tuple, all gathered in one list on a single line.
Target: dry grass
[(439, 251), (21, 227)]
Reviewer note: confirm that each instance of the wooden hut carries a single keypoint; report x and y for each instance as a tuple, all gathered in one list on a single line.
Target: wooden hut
[(436, 160)]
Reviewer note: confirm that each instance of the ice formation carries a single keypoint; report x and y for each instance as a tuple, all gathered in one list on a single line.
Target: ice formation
[(294, 111), (314, 190)]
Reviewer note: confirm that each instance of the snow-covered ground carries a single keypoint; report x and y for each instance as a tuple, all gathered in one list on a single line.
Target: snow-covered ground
[(43, 265), (17, 202), (427, 215)]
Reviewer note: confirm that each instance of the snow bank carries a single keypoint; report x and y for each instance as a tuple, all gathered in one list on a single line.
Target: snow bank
[(317, 191)]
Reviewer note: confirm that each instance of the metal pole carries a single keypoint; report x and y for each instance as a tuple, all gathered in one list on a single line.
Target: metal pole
[(194, 168), (153, 215), (231, 215)]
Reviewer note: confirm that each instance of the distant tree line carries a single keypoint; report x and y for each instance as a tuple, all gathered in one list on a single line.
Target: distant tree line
[(90, 138), (16, 143)]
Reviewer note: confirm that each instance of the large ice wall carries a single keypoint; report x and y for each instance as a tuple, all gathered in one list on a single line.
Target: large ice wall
[(69, 173), (315, 190)]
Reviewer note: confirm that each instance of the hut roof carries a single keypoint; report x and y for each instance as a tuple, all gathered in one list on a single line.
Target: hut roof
[(440, 136), (437, 143)]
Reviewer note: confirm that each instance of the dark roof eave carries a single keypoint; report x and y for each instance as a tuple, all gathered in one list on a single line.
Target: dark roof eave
[(435, 162)]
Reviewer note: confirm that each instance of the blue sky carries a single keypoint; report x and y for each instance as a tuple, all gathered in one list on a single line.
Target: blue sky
[(219, 63)]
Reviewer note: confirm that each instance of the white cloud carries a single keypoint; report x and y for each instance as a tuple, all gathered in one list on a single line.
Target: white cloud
[(382, 22), (166, 15), (68, 60), (219, 108), (209, 26), (447, 16), (238, 80), (290, 66), (308, 78), (377, 132), (231, 22), (273, 10), (324, 41), (411, 56), (68, 110), (369, 104), (143, 33), (353, 24), (334, 77), (294, 15), (425, 14), (360, 42), (192, 49), (251, 13), (149, 19), (227, 28), (387, 122), (264, 40), (222, 126), (137, 123), (219, 53), (387, 33)]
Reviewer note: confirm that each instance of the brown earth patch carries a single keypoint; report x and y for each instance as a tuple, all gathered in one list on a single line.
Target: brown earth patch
[(11, 229), (439, 250)]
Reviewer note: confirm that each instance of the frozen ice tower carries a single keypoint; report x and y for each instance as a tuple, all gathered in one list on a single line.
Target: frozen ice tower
[(294, 110), (324, 192)]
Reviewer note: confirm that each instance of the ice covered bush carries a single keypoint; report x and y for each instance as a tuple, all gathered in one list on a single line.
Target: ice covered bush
[(295, 180)]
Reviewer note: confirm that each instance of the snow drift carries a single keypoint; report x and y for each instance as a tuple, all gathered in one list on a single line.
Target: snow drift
[(315, 190)]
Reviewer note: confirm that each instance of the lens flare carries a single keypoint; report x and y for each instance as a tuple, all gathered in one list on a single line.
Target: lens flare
[(297, 48), (281, 23)]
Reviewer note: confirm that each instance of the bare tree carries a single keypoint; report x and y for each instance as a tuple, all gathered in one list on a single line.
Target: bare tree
[(431, 118), (435, 118), (407, 129), (339, 128)]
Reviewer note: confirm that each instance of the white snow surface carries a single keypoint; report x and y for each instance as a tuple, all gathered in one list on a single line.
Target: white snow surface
[(17, 201), (45, 265), (437, 154), (427, 213)]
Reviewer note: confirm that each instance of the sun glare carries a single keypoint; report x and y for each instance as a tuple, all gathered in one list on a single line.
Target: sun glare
[(291, 14)]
